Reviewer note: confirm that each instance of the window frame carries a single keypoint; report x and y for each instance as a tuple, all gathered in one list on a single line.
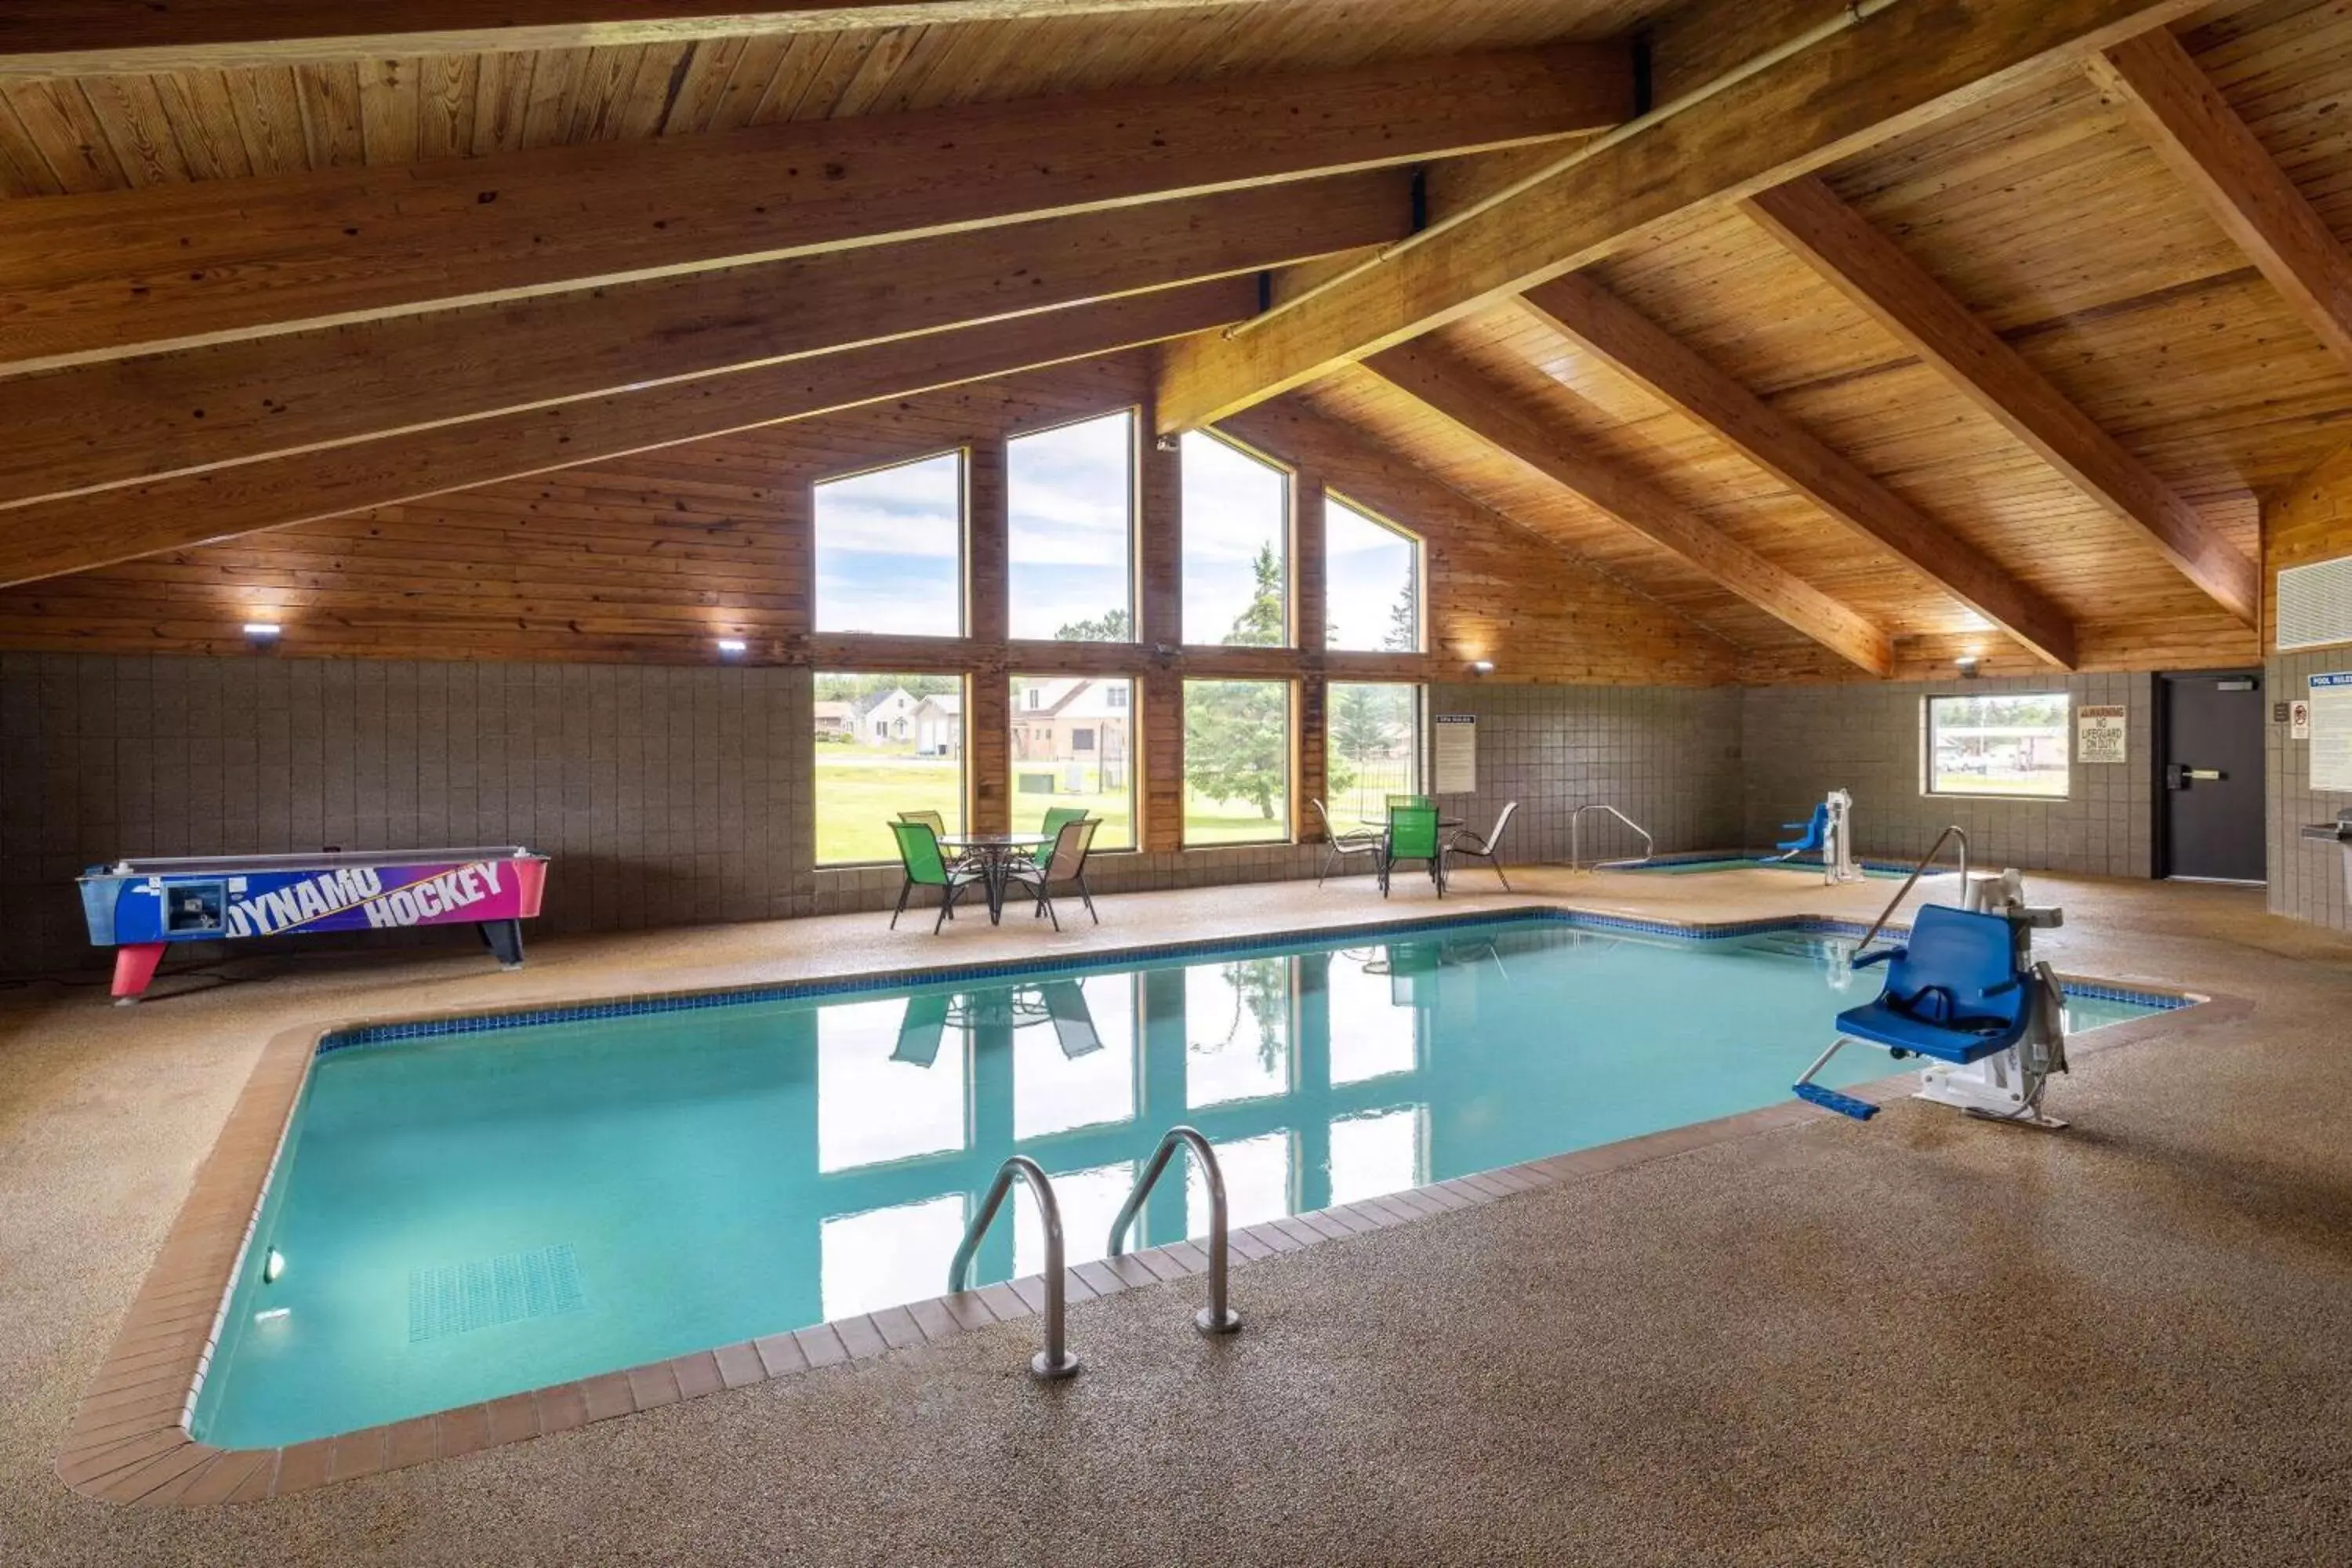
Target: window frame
[(1285, 826), (963, 679), (1289, 535), (1420, 742), (962, 453), (1020, 716), (1927, 730), (1333, 496), (1134, 413)]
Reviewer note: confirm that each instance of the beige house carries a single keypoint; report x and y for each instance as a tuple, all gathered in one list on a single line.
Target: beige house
[(1077, 726)]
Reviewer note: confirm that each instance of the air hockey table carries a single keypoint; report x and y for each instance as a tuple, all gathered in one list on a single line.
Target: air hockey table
[(140, 908)]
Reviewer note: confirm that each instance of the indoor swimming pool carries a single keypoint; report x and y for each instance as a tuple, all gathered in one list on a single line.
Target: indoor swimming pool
[(470, 1208)]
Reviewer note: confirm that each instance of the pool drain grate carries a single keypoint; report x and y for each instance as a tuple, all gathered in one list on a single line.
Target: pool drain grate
[(458, 1298)]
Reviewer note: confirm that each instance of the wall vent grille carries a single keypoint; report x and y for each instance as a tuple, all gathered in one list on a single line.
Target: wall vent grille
[(2315, 604)]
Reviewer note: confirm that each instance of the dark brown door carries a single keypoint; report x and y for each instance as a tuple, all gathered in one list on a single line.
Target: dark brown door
[(2210, 795)]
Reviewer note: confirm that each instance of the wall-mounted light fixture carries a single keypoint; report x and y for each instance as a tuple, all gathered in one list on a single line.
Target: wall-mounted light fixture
[(1482, 666), (1972, 665), (262, 631), (731, 647)]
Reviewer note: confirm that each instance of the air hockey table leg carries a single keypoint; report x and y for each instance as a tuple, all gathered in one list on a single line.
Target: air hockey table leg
[(504, 938), (134, 966)]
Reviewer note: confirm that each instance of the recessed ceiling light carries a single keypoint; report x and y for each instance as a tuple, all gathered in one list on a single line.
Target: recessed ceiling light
[(263, 631), (731, 646)]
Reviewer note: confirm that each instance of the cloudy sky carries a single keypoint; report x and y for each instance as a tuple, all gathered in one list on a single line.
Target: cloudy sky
[(888, 544), (1366, 566), (1069, 494), (889, 549), (1233, 506)]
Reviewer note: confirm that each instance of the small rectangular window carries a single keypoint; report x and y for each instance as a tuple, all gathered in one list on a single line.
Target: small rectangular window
[(884, 744), (1236, 761), (889, 550), (1082, 759), (2013, 745)]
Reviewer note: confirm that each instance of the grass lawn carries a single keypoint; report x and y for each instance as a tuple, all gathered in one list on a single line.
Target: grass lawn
[(861, 790), (2039, 786)]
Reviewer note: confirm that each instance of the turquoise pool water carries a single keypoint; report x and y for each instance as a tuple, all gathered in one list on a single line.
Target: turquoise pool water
[(471, 1214)]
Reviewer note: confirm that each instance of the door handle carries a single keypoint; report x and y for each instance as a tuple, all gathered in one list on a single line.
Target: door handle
[(2206, 774), (2177, 776)]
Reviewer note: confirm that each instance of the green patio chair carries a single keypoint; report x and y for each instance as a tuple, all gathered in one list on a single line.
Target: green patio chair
[(1408, 801), (939, 826), (918, 852), (1412, 836), (1054, 819)]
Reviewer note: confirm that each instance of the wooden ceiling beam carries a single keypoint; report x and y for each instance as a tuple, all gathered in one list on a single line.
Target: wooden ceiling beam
[(1581, 310), (120, 272), (1492, 416), (123, 421), (101, 37), (2200, 137), (55, 538), (1875, 273), (1838, 89)]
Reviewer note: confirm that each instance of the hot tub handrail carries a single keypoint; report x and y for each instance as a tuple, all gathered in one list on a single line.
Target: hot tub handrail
[(1575, 834), (1954, 831), (1216, 1318), (1054, 1360)]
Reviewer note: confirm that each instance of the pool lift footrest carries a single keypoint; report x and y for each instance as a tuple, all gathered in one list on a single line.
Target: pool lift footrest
[(1831, 1100)]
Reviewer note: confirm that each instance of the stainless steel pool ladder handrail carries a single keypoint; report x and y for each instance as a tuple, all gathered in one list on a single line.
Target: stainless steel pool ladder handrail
[(1216, 1318), (1056, 1360), (1954, 831), (1575, 834)]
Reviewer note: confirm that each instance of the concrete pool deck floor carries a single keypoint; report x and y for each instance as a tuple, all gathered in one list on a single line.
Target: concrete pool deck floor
[(1813, 1345)]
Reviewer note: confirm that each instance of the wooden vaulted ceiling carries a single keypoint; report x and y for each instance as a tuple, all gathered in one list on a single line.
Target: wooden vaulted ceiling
[(1878, 355)]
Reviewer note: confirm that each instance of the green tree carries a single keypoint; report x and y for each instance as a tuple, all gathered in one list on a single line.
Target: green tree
[(1404, 620), (1260, 623), (1234, 735), (1235, 732), (1112, 626)]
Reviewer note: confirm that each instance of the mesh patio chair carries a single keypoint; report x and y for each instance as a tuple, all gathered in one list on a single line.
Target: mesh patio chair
[(1073, 1020), (1055, 819), (1472, 846), (939, 826), (1339, 846), (918, 852), (1412, 836), (1067, 864), (1408, 801)]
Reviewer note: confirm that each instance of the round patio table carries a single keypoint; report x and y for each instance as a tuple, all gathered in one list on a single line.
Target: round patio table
[(994, 855)]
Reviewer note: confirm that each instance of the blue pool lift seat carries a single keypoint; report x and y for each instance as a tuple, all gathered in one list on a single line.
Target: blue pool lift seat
[(1953, 994), (1812, 835)]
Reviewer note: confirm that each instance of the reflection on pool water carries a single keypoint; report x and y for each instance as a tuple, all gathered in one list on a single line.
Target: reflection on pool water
[(471, 1214)]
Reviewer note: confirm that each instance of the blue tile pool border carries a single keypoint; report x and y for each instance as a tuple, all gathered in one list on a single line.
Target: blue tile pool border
[(397, 1031)]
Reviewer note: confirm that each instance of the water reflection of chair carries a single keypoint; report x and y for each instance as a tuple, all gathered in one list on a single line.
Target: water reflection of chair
[(1074, 1024), (922, 1029)]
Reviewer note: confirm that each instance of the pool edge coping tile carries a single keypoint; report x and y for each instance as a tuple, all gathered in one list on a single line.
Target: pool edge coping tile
[(110, 1457)]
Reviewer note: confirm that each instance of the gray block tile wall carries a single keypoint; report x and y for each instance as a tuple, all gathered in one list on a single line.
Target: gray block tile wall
[(1802, 741), (1668, 757), (667, 795), (2307, 878)]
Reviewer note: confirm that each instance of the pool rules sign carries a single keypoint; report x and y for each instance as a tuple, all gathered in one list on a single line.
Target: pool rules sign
[(1456, 749), (2099, 734)]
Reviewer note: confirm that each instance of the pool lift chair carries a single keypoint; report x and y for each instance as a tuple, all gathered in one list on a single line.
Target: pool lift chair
[(1965, 996), (1828, 833)]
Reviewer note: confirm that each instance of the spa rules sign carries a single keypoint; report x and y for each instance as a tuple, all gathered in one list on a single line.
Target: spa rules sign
[(2099, 734)]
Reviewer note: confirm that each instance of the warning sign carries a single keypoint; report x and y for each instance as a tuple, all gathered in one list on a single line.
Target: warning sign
[(2099, 734)]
